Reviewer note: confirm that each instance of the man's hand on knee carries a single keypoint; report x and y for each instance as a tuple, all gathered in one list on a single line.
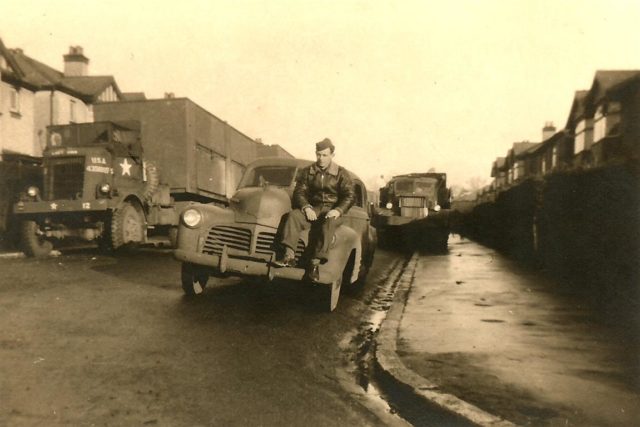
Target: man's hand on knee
[(310, 214), (333, 213)]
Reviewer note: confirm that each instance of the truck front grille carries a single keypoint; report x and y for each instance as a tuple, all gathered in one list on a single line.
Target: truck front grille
[(412, 202), (265, 244), (240, 239), (223, 235), (65, 178), (413, 212)]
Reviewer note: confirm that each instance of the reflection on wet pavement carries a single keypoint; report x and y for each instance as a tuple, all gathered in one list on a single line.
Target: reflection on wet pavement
[(517, 344)]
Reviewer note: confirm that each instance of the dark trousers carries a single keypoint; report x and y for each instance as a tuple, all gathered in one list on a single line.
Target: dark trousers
[(297, 222)]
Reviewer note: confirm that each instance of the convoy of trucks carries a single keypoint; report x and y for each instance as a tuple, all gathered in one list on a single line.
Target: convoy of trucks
[(126, 177), (415, 210)]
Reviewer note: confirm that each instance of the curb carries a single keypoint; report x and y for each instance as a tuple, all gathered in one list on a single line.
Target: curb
[(390, 365), (11, 255)]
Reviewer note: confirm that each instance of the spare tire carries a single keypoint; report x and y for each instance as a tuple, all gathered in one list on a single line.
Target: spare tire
[(153, 180)]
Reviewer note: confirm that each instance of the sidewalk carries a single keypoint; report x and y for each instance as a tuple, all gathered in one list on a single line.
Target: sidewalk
[(491, 338)]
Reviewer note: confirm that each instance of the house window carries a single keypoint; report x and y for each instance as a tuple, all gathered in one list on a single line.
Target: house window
[(554, 157), (583, 136), (14, 100), (72, 111), (606, 121)]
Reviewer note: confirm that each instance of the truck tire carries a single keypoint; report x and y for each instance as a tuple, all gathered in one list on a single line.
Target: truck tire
[(33, 243), (127, 226), (153, 180)]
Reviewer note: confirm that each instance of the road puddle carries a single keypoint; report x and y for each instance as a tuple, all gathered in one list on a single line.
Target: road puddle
[(358, 345)]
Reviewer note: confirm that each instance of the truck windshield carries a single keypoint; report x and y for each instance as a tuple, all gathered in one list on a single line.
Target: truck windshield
[(425, 187), (403, 186), (281, 176)]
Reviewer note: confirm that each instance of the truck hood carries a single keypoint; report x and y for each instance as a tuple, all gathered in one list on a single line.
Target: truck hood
[(261, 205)]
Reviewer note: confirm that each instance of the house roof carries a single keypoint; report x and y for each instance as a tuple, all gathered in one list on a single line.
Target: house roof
[(91, 86), (134, 96), (4, 52), (41, 76), (523, 147), (499, 164), (547, 143), (606, 81), (577, 107)]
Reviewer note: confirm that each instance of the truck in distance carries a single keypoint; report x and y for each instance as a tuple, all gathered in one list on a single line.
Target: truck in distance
[(414, 210)]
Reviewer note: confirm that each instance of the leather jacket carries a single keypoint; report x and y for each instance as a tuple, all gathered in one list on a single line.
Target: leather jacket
[(331, 188)]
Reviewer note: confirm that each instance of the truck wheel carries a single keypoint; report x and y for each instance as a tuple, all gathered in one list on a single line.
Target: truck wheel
[(127, 226), (194, 279), (33, 242)]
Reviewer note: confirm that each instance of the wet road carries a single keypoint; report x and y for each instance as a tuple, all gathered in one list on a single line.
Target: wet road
[(518, 344), (89, 339)]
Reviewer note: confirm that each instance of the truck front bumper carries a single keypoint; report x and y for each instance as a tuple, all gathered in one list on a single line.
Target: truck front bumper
[(433, 220), (56, 206), (242, 266)]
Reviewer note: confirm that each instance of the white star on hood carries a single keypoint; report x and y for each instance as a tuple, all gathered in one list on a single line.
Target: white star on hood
[(126, 168)]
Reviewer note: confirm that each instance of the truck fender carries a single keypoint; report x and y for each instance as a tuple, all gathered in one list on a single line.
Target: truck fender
[(134, 199), (346, 242)]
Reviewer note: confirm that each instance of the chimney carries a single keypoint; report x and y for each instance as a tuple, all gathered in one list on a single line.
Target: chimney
[(548, 131), (75, 63)]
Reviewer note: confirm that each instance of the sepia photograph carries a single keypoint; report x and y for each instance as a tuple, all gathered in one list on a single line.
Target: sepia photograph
[(320, 213)]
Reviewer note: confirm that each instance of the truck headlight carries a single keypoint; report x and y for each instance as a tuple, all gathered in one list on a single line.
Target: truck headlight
[(105, 188), (436, 208), (389, 205), (33, 191), (192, 218)]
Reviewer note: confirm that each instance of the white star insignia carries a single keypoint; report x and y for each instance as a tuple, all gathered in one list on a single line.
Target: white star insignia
[(126, 168), (54, 206)]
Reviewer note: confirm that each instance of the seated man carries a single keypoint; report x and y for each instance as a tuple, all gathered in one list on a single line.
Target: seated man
[(324, 192)]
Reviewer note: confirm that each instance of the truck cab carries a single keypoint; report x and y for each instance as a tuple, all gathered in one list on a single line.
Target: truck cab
[(415, 209), (95, 188)]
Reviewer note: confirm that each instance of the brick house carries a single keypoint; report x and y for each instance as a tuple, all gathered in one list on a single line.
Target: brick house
[(34, 96), (614, 103), (604, 121)]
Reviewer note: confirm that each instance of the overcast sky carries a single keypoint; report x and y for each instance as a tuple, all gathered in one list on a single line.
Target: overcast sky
[(399, 86)]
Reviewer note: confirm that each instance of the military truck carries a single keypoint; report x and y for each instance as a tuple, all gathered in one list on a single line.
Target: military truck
[(121, 181), (414, 210)]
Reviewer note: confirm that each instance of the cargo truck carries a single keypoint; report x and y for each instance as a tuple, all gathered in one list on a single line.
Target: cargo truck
[(126, 177), (415, 210)]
